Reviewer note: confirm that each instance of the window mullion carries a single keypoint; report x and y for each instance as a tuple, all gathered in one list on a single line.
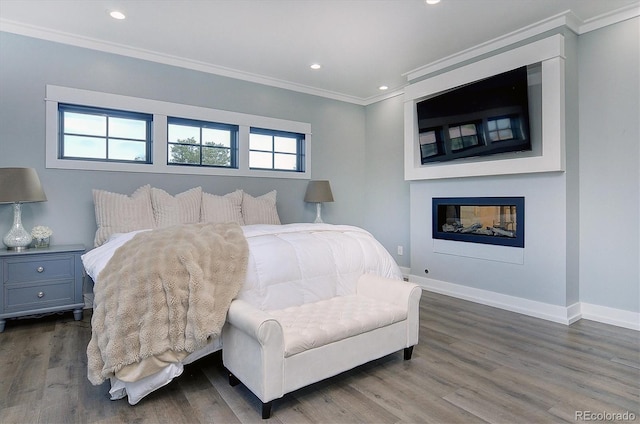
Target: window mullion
[(159, 140), (106, 137), (243, 147), (201, 147), (273, 152)]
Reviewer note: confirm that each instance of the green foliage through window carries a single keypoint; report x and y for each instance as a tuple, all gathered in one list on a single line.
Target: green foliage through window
[(199, 143)]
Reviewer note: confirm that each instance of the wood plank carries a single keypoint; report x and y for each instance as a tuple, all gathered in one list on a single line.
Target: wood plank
[(205, 400), (30, 365), (473, 364)]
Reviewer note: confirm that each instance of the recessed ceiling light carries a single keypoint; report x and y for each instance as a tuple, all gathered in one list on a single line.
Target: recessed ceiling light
[(117, 15), (433, 1), (383, 87), (316, 66)]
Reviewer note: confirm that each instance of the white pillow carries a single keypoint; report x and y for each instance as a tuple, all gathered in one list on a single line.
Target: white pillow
[(260, 210), (183, 208), (218, 209), (119, 213)]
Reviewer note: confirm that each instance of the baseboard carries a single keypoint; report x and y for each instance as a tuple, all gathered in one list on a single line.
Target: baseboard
[(560, 314), (606, 315), (406, 272)]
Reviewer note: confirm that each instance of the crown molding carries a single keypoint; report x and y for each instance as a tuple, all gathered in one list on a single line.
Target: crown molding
[(387, 95), (152, 56), (611, 18), (566, 19)]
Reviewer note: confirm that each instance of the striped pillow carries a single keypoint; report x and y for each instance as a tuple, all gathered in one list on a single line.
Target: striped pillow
[(119, 213), (218, 209), (260, 210), (183, 208)]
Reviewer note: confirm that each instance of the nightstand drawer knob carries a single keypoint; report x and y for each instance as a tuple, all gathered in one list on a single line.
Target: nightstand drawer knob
[(40, 295), (40, 269)]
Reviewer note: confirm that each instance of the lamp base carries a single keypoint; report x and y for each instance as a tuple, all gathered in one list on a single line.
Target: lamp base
[(17, 239), (318, 214), (18, 248)]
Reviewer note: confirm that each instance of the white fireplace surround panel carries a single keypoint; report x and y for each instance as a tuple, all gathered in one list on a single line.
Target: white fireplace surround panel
[(488, 252), (549, 52)]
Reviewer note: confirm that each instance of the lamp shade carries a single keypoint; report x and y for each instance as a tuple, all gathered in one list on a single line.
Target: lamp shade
[(318, 191), (20, 185)]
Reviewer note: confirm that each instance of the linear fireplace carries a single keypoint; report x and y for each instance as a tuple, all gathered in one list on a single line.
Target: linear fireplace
[(487, 220)]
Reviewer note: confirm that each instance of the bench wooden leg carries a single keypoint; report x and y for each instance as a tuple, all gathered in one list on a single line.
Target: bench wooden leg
[(233, 380), (408, 351), (266, 407), (266, 410)]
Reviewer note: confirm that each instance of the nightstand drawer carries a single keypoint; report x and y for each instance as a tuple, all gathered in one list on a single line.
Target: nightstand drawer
[(28, 296), (41, 268)]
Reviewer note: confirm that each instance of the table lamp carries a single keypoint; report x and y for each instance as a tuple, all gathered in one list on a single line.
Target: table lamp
[(17, 186), (318, 191)]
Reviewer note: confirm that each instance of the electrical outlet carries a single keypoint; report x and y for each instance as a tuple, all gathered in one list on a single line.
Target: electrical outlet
[(400, 250)]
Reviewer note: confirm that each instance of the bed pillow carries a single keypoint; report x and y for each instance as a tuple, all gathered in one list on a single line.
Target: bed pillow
[(119, 213), (218, 209), (260, 210), (183, 208)]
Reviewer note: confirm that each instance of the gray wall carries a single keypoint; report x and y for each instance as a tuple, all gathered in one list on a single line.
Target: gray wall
[(387, 194), (572, 159), (27, 65), (610, 166)]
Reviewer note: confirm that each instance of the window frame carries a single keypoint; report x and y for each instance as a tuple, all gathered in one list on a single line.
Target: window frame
[(462, 139), (233, 148), (437, 145), (514, 127), (108, 113), (161, 111), (300, 149)]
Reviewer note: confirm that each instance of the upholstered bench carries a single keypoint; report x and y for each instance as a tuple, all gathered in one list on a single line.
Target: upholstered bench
[(274, 352)]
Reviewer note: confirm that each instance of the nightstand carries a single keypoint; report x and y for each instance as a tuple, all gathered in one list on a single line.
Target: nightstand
[(41, 281)]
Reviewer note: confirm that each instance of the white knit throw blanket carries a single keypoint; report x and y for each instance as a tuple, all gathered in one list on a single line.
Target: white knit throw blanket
[(166, 289)]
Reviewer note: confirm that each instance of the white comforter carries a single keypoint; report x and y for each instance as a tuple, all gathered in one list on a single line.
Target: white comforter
[(286, 265)]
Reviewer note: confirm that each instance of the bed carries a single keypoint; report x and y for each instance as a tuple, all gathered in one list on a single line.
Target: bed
[(283, 262)]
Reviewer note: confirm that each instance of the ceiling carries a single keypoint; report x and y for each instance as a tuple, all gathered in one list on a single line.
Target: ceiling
[(361, 44)]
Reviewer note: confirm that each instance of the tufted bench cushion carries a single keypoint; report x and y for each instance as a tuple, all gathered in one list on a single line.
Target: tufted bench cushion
[(319, 323)]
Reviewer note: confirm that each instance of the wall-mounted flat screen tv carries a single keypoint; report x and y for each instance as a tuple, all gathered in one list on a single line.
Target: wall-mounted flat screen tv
[(485, 117)]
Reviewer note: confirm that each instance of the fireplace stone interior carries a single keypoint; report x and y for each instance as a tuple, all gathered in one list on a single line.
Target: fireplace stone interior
[(487, 220)]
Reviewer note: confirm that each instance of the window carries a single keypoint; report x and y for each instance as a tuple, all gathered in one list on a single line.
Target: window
[(103, 134), (90, 130), (430, 143), (501, 129), (199, 143), (277, 150), (464, 136)]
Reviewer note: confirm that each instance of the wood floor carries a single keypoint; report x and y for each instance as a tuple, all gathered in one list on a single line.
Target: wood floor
[(473, 364)]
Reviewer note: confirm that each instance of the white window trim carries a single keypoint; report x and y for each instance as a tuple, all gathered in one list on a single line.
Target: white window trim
[(161, 110)]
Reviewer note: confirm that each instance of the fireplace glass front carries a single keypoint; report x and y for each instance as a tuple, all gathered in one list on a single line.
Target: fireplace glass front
[(488, 220)]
